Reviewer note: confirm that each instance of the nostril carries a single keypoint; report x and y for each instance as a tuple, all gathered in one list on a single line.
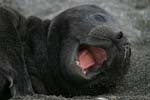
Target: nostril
[(119, 35)]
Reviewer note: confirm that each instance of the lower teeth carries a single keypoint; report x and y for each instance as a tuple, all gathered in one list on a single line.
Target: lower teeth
[(77, 62), (84, 72)]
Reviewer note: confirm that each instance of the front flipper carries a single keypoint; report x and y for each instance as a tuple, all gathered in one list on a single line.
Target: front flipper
[(16, 78), (12, 64)]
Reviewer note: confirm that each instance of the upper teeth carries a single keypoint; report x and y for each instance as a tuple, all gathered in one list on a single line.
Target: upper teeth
[(84, 72), (78, 63)]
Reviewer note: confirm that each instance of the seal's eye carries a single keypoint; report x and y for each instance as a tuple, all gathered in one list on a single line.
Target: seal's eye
[(100, 18)]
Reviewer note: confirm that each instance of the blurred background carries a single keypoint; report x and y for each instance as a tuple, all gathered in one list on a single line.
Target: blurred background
[(133, 15)]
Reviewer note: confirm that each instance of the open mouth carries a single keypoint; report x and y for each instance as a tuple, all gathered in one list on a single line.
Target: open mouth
[(90, 58)]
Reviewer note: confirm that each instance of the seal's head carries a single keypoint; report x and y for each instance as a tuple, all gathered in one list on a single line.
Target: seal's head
[(91, 50)]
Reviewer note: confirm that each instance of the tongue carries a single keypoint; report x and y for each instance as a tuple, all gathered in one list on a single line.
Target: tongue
[(91, 56), (85, 59), (99, 54)]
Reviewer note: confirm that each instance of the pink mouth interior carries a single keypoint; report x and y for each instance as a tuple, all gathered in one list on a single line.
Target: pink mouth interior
[(90, 56)]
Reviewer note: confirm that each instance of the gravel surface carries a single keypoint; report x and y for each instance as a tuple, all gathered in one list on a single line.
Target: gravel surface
[(42, 97)]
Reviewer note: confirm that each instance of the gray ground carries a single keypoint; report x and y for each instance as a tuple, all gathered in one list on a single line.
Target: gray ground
[(42, 97), (134, 19)]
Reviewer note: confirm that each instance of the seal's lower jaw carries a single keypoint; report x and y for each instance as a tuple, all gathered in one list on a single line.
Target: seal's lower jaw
[(90, 60)]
